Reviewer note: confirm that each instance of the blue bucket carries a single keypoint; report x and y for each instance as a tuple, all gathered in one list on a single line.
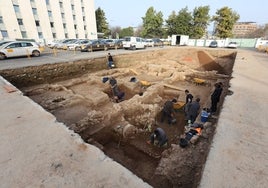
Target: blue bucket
[(204, 116)]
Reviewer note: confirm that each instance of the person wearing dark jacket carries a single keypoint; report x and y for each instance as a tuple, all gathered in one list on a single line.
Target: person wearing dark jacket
[(168, 112), (193, 110), (189, 98), (215, 97), (110, 61), (158, 137)]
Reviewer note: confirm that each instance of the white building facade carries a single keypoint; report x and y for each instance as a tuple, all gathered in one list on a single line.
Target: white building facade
[(46, 20)]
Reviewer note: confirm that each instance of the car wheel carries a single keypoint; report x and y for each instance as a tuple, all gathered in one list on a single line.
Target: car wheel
[(2, 56), (35, 53)]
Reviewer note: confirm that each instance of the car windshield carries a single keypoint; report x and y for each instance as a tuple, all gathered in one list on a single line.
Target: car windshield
[(3, 42)]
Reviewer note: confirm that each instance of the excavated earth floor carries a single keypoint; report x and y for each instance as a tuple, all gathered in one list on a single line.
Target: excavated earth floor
[(75, 94)]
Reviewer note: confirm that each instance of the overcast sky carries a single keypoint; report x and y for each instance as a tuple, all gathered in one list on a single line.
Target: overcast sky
[(125, 13)]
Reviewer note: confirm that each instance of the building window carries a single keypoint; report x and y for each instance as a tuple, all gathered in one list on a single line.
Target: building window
[(16, 8), (37, 23), (86, 36), (66, 35), (75, 26), (54, 35), (32, 1), (1, 20), (51, 24), (47, 2), (83, 9), (64, 25), (84, 18), (4, 33), (49, 13), (24, 34), (20, 22), (61, 5), (85, 27), (34, 11), (40, 35), (62, 15), (73, 17), (72, 7), (76, 36)]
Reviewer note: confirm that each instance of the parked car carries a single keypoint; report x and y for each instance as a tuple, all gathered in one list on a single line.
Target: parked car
[(95, 45), (64, 46), (149, 42), (110, 42), (134, 43), (157, 42), (78, 44), (166, 42), (62, 43), (51, 44), (213, 44), (85, 44), (232, 45), (118, 44), (20, 48)]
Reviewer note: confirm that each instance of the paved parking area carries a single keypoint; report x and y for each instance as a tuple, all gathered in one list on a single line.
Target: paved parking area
[(59, 56), (53, 56)]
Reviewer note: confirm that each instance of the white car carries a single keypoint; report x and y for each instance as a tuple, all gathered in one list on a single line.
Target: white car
[(20, 48), (232, 45), (51, 44)]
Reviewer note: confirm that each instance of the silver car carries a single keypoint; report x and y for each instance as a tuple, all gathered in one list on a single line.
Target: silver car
[(20, 48)]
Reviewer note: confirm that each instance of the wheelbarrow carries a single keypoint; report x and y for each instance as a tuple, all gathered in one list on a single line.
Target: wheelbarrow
[(199, 81), (178, 105)]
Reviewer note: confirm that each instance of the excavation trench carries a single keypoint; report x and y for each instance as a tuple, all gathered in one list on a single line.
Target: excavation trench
[(76, 95)]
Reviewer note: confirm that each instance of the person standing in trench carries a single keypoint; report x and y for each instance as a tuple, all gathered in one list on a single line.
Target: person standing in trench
[(110, 61), (193, 111), (215, 97), (189, 98)]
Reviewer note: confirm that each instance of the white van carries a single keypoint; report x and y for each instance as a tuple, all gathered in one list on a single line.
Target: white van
[(134, 43)]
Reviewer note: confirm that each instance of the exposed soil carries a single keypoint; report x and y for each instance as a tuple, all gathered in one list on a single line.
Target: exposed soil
[(121, 130)]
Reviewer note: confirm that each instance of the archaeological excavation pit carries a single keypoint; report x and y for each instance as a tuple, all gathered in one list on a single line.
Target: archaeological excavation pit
[(76, 95)]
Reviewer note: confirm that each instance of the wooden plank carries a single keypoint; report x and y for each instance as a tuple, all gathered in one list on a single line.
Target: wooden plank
[(173, 87)]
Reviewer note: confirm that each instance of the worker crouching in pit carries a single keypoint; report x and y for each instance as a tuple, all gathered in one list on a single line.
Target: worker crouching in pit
[(158, 138), (118, 95)]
